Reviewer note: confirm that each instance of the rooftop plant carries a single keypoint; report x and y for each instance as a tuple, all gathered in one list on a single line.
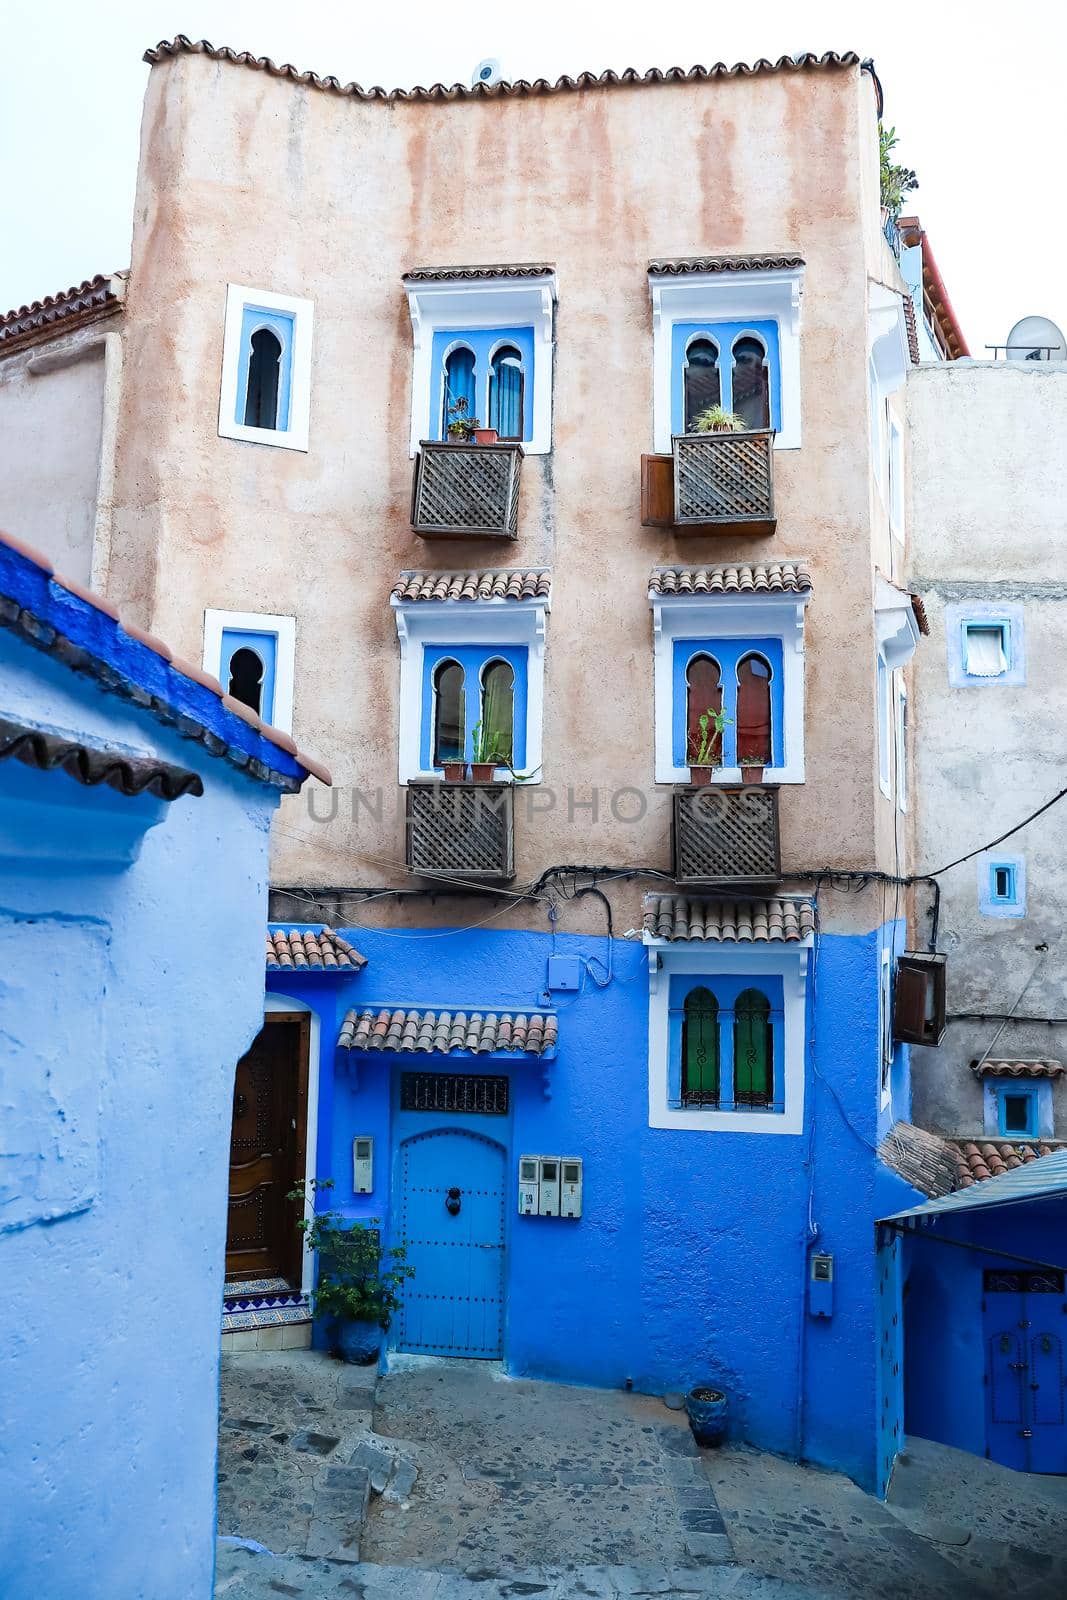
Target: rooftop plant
[(897, 182)]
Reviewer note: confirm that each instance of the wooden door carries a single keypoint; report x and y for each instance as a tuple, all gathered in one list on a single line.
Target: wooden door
[(268, 1153)]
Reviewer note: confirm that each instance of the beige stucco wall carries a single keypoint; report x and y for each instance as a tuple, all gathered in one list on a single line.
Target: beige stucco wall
[(245, 178), (989, 523)]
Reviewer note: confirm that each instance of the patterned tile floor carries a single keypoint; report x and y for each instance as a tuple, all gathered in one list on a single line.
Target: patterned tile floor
[(249, 1303)]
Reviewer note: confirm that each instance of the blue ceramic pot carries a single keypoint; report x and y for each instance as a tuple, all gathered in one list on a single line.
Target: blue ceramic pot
[(357, 1342), (708, 1411)]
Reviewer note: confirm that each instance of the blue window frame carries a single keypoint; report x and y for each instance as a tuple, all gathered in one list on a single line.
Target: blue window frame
[(256, 362), (727, 654), (1002, 883), (483, 345), (473, 660), (739, 1001), (1017, 1110), (986, 647), (724, 336), (1002, 886), (241, 678)]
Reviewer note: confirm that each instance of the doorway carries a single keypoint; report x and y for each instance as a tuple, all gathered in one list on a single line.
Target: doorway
[(1026, 1417), (268, 1152)]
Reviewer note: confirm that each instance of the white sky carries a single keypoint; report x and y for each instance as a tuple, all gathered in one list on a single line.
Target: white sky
[(976, 92)]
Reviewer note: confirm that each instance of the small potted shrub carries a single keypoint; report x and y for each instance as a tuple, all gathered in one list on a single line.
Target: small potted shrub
[(461, 427), (357, 1288), (704, 750), (454, 771), (751, 769), (491, 745), (708, 1410), (716, 419)]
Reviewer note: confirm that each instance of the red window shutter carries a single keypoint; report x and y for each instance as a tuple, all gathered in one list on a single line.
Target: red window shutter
[(657, 491), (754, 710)]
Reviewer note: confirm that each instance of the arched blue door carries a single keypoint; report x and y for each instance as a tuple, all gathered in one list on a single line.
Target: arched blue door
[(452, 1222), (1026, 1373)]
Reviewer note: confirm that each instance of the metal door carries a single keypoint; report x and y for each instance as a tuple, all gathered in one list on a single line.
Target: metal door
[(1026, 1415), (452, 1222)]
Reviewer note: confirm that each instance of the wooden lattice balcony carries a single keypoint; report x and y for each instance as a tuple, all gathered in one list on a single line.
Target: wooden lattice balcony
[(461, 830), (466, 491), (711, 483), (726, 835)]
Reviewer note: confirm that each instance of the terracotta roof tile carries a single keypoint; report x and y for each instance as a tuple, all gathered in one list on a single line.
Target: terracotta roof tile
[(779, 919), (446, 1032), (679, 265), (85, 302), (519, 269), (978, 1159), (919, 608), (1018, 1069), (923, 1159), (501, 583), (913, 332), (311, 950), (774, 577), (90, 765)]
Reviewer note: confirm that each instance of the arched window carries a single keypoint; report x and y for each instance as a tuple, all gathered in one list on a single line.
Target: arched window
[(246, 678), (700, 1049), (754, 712), (753, 1050), (264, 369), (701, 380), (752, 394), (448, 719), (458, 387), (506, 393), (703, 694), (498, 713)]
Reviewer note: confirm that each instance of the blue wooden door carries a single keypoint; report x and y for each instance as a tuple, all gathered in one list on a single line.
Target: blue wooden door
[(452, 1222), (1026, 1415)]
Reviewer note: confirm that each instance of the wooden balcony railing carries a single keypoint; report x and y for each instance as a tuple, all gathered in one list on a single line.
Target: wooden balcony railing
[(466, 491), (461, 830), (711, 483), (722, 835)]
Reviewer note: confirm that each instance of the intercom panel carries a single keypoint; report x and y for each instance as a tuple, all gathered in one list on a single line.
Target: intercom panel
[(362, 1164)]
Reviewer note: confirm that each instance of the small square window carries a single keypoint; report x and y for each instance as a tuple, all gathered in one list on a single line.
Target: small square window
[(1016, 1116), (1002, 887), (985, 649)]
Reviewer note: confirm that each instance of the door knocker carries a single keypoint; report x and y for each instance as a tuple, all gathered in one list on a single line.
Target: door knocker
[(452, 1202)]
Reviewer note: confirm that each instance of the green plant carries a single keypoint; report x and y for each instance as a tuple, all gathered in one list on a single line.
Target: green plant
[(711, 723), (751, 761), (716, 419), (897, 182), (358, 1281), (492, 737), (460, 425)]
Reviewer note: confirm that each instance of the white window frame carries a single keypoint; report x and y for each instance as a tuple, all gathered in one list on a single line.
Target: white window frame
[(900, 740), (495, 624), (284, 631), (889, 358), (886, 1043), (774, 295), (985, 613), (239, 297), (884, 694), (732, 616), (895, 469), (788, 961), (461, 304)]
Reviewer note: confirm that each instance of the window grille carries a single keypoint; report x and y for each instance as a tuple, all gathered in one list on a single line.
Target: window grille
[(454, 1091)]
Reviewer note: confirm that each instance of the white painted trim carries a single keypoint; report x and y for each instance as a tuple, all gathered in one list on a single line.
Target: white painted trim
[(295, 437), (787, 961), (453, 623), (900, 741), (727, 297), (886, 1048), (487, 303), (883, 690), (896, 625), (895, 473), (284, 630), (730, 616), (887, 338), (280, 1002)]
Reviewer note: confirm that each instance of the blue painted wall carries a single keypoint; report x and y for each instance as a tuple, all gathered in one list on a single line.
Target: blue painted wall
[(691, 1258)]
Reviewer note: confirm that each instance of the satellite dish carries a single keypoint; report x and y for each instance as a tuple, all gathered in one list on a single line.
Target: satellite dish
[(1036, 339), (487, 72)]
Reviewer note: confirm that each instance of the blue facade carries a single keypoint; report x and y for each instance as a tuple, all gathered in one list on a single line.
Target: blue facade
[(691, 1258)]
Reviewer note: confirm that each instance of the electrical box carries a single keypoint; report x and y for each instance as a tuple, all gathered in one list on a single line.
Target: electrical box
[(529, 1187), (362, 1164), (548, 1184), (570, 1187), (564, 974), (821, 1286)]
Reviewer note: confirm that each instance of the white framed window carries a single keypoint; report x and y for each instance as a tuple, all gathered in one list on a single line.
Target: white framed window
[(888, 358), (896, 477), (883, 690), (901, 740), (986, 644), (749, 322), (885, 1027), (485, 341), (464, 660), (253, 655), (729, 632), (265, 396)]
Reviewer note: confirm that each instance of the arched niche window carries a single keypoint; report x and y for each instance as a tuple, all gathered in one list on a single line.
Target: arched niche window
[(700, 1049), (246, 678), (753, 1050), (751, 383), (754, 743), (448, 712), (703, 680), (458, 387), (264, 371), (701, 379), (498, 713), (506, 385)]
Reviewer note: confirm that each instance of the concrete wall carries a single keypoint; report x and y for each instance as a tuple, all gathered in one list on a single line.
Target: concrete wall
[(125, 1002), (988, 492)]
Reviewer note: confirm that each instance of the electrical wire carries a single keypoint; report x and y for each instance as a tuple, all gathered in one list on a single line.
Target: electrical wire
[(982, 848)]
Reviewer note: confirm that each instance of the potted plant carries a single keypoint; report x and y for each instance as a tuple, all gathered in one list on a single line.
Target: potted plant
[(356, 1291), (703, 750), (716, 419), (491, 744), (708, 1410), (751, 769), (486, 436), (454, 771), (461, 427)]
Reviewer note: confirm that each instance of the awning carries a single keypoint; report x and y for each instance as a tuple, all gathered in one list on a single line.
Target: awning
[(1037, 1180)]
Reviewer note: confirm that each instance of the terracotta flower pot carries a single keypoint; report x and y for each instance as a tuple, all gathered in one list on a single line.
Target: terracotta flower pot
[(454, 771), (699, 776), (751, 774), (482, 771), (486, 435)]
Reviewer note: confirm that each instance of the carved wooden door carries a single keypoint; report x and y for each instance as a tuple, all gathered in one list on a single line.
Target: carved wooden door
[(268, 1151)]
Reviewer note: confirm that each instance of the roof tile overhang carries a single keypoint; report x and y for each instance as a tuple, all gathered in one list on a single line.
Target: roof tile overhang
[(521, 269), (97, 297), (935, 295), (806, 61), (91, 765), (450, 1032), (777, 577), (923, 1159), (678, 266), (980, 1159), (502, 583), (312, 950), (780, 919), (1038, 1174), (1018, 1069)]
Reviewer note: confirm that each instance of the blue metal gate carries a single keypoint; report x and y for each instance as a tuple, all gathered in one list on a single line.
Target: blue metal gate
[(452, 1222), (1025, 1375)]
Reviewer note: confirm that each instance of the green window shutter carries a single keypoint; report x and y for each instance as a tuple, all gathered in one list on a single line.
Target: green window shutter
[(700, 1049), (753, 1050)]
